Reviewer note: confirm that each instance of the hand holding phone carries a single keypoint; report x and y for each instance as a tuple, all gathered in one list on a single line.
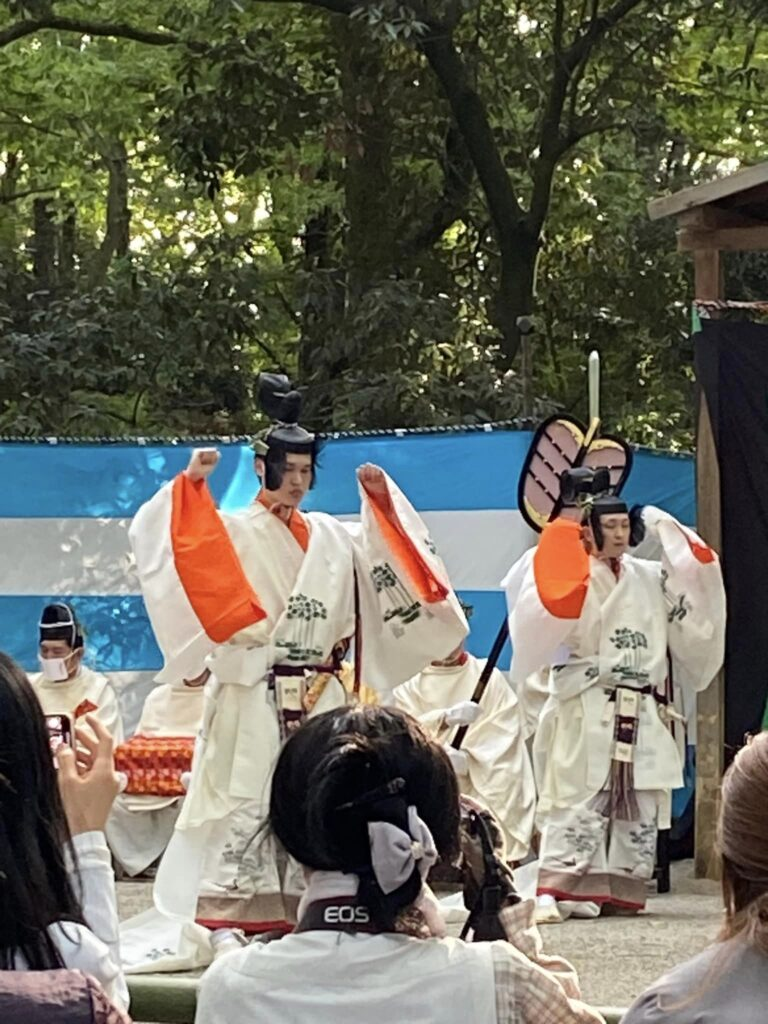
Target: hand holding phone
[(88, 781), (59, 731)]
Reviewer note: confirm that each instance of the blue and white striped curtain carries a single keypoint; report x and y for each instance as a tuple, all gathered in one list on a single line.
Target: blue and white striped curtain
[(65, 510)]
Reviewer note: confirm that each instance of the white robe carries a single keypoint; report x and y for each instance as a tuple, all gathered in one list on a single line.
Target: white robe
[(140, 825), (63, 698), (500, 774), (620, 638), (172, 709), (675, 605), (308, 604)]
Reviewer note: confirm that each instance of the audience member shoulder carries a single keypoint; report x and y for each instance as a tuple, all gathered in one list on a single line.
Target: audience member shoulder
[(687, 991)]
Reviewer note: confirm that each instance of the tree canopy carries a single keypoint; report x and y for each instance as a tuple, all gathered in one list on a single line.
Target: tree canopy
[(372, 196)]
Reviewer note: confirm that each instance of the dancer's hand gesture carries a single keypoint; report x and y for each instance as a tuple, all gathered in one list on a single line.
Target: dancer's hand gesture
[(202, 463)]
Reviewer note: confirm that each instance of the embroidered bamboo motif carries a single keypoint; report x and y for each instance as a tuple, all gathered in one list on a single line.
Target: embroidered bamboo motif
[(403, 605), (305, 612), (632, 642)]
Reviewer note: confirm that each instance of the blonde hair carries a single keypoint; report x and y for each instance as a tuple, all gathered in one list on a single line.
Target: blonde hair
[(743, 845), (742, 842)]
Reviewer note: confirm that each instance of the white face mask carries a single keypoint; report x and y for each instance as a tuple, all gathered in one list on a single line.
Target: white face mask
[(55, 669)]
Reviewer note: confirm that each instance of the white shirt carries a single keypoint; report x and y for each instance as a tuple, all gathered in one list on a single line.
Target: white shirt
[(93, 948), (336, 978)]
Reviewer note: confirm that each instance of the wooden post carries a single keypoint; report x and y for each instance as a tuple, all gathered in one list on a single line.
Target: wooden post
[(711, 703)]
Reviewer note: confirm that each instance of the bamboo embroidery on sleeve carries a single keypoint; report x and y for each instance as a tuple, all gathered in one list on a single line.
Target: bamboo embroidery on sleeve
[(402, 605)]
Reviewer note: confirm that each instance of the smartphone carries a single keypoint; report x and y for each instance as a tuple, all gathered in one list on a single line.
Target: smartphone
[(59, 731)]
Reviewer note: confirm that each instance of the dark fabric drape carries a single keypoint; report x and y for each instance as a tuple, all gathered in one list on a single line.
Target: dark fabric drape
[(732, 368)]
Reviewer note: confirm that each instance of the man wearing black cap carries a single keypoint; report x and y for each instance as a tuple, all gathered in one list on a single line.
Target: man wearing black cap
[(610, 631), (66, 686), (271, 597)]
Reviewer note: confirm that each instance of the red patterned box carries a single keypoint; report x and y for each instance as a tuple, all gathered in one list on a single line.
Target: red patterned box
[(154, 764)]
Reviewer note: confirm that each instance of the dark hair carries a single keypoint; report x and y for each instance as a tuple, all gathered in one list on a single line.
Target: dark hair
[(349, 756), (743, 845), (35, 888)]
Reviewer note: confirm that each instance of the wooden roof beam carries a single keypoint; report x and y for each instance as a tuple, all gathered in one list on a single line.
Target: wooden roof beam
[(713, 191), (727, 239)]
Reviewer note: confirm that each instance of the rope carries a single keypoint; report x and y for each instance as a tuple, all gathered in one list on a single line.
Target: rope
[(186, 441), (760, 306), (338, 435)]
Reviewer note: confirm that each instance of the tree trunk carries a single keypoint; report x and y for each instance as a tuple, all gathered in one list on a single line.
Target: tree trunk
[(337, 285), (67, 245), (314, 314), (321, 320), (371, 225), (117, 230), (8, 228), (44, 246), (518, 249), (515, 294)]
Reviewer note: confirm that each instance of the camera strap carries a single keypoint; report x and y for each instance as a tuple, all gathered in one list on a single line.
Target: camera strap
[(483, 919), (337, 914)]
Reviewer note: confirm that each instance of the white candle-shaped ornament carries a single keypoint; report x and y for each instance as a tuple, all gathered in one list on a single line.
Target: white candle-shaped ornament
[(594, 385), (594, 393)]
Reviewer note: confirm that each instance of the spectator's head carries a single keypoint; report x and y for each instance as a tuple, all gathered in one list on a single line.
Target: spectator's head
[(351, 768), (743, 844), (61, 643), (35, 890)]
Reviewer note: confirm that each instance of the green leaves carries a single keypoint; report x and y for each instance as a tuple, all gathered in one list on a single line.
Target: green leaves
[(300, 195), (390, 22)]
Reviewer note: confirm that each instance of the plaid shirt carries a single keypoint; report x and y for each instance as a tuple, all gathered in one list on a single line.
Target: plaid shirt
[(532, 988), (55, 997)]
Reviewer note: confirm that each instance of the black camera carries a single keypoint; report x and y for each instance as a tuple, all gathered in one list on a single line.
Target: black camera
[(582, 482)]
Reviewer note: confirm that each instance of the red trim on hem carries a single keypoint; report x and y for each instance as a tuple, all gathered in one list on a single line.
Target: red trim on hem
[(249, 927), (560, 894)]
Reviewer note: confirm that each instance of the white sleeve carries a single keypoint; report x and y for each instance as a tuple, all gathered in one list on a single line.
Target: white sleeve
[(535, 633), (500, 766), (109, 714), (409, 612), (695, 596), (95, 946)]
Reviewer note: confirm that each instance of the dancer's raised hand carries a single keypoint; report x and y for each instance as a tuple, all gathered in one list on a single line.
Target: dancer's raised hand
[(202, 463)]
